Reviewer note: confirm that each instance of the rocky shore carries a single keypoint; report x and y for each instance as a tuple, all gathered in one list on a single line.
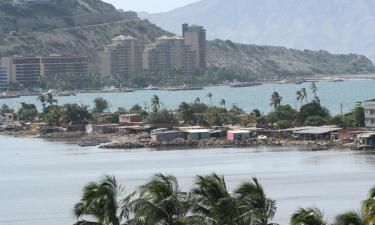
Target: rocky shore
[(114, 141)]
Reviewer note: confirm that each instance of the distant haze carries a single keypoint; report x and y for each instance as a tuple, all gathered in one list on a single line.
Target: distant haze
[(339, 26), (150, 6)]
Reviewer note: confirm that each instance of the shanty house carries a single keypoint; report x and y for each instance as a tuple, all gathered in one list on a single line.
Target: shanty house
[(167, 136), (101, 128), (237, 135), (130, 119), (198, 134), (316, 133)]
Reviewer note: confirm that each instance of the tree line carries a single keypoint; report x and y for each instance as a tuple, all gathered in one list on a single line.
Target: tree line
[(209, 202), (310, 113)]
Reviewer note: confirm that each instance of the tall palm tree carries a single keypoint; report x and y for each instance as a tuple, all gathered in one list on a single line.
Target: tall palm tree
[(50, 99), (255, 207), (42, 99), (275, 100), (308, 216), (299, 96), (365, 217), (304, 94), (155, 103), (103, 202), (161, 202), (222, 102), (314, 89), (213, 203), (210, 95)]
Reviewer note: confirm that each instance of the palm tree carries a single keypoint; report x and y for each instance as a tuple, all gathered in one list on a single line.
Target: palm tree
[(350, 218), (368, 207), (365, 217), (197, 100), (314, 89), (299, 96), (222, 102), (186, 112), (213, 203), (255, 207), (161, 202), (42, 99), (275, 100), (210, 95), (308, 216), (102, 201), (155, 103), (50, 99), (304, 94)]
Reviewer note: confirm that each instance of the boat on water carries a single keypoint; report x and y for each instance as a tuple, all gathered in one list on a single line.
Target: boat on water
[(9, 95), (114, 89), (333, 79), (245, 84), (151, 88), (184, 88), (65, 94)]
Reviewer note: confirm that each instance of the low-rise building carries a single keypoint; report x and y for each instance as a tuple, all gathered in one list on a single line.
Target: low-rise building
[(101, 128), (369, 107), (316, 133), (238, 135), (367, 139), (130, 119), (198, 134), (167, 136)]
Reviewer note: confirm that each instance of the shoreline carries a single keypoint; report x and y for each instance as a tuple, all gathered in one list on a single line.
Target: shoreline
[(121, 142)]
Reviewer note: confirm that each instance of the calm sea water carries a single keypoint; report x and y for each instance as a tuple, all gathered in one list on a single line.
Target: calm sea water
[(40, 181), (332, 95)]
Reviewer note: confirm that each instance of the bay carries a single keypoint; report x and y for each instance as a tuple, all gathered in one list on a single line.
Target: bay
[(40, 180), (331, 94)]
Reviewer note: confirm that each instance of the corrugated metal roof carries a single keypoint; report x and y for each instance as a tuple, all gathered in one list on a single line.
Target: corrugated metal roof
[(318, 130)]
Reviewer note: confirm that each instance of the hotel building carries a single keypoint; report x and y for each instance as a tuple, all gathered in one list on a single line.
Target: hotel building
[(195, 36), (169, 54), (122, 57), (28, 71)]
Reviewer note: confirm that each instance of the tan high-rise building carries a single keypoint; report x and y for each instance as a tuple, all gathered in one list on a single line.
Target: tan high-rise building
[(195, 36), (169, 54), (122, 57)]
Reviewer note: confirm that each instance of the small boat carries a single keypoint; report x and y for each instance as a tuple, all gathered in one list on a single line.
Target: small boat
[(65, 93), (184, 88), (8, 95), (151, 88), (244, 84)]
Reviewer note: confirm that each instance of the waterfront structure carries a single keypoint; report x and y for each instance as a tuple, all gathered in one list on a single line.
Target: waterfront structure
[(122, 57), (369, 107), (3, 79), (195, 36), (198, 134), (28, 71), (130, 119), (167, 136), (169, 54), (238, 135)]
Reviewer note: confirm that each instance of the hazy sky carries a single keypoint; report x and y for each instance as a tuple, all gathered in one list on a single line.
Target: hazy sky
[(149, 5)]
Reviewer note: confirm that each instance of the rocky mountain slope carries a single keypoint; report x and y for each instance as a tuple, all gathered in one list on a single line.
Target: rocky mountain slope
[(339, 26), (282, 61), (82, 36), (20, 16)]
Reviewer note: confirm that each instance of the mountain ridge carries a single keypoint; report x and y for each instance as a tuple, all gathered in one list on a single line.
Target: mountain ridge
[(338, 26), (88, 37)]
